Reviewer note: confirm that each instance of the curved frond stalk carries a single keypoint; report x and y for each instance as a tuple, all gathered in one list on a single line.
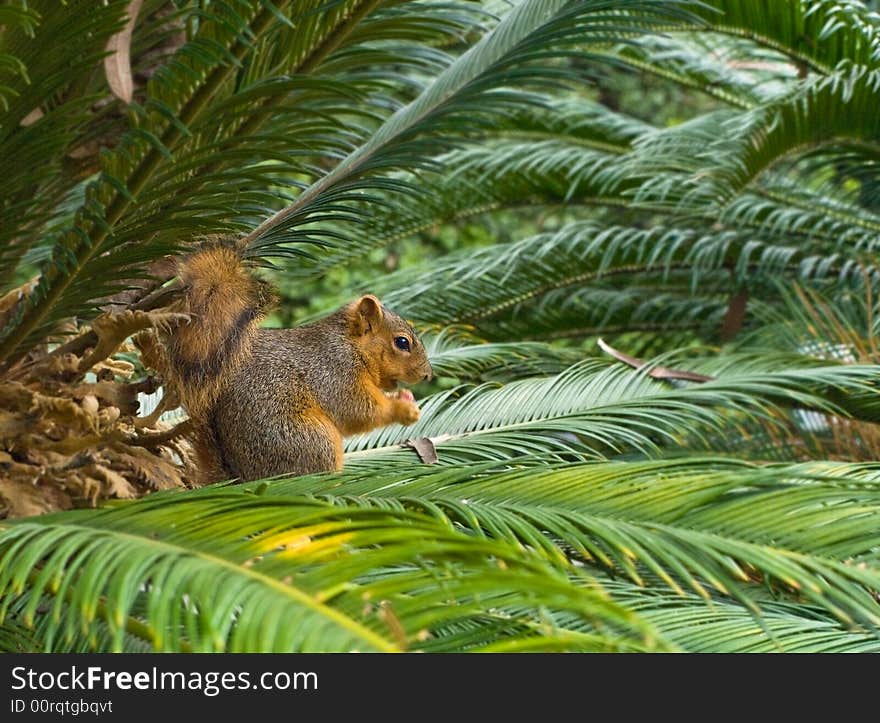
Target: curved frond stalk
[(707, 64), (479, 285), (586, 278), (186, 156), (828, 232), (472, 84), (760, 236), (477, 74), (281, 131), (536, 155), (643, 305)]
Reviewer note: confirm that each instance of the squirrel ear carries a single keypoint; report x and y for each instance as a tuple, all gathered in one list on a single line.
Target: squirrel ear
[(368, 313)]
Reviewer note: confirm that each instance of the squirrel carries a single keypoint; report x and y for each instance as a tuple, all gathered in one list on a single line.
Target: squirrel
[(264, 402)]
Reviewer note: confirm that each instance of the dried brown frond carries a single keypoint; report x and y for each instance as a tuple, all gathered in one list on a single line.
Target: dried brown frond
[(68, 439)]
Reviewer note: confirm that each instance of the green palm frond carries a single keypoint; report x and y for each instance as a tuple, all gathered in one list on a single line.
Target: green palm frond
[(702, 526), (765, 231), (287, 544), (209, 58), (587, 278), (725, 626), (286, 575), (473, 85), (15, 638), (179, 115), (832, 111), (707, 64), (838, 323), (595, 408), (820, 34), (509, 283), (824, 224), (47, 100), (649, 311), (481, 361), (576, 503), (188, 159), (539, 154)]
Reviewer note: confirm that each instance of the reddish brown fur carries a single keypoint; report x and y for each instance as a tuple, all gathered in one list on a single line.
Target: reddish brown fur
[(275, 401), (218, 291), (315, 418), (225, 303)]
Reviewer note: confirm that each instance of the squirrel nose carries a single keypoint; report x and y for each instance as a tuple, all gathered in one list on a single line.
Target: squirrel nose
[(430, 375)]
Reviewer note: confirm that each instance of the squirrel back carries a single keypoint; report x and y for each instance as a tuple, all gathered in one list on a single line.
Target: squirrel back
[(273, 401)]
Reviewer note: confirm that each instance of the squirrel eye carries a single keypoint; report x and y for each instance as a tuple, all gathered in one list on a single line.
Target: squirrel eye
[(402, 343)]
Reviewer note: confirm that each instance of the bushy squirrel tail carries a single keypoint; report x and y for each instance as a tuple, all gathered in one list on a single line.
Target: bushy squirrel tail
[(226, 303)]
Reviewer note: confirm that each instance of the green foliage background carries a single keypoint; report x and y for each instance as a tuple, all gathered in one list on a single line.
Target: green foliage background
[(694, 183)]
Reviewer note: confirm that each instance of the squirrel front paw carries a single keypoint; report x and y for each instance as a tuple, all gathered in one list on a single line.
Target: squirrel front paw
[(406, 411)]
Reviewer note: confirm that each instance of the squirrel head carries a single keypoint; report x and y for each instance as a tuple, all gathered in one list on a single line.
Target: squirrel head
[(388, 344)]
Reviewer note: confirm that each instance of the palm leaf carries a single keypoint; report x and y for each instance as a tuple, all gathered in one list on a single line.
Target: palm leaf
[(597, 409), (820, 34), (698, 524), (282, 575), (726, 626)]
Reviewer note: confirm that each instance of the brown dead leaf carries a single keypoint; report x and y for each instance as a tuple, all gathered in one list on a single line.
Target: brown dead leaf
[(11, 298), (86, 487), (31, 117), (117, 65), (64, 366), (91, 406), (64, 411), (151, 350), (14, 395), (123, 396), (115, 484), (152, 440), (424, 447), (147, 469), (656, 372), (114, 367), (108, 416), (67, 443), (21, 499), (12, 427), (114, 328)]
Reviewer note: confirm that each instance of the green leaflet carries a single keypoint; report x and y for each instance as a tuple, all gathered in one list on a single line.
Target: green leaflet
[(229, 572)]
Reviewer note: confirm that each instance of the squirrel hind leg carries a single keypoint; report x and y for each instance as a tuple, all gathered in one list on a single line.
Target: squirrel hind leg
[(324, 443), (304, 444)]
